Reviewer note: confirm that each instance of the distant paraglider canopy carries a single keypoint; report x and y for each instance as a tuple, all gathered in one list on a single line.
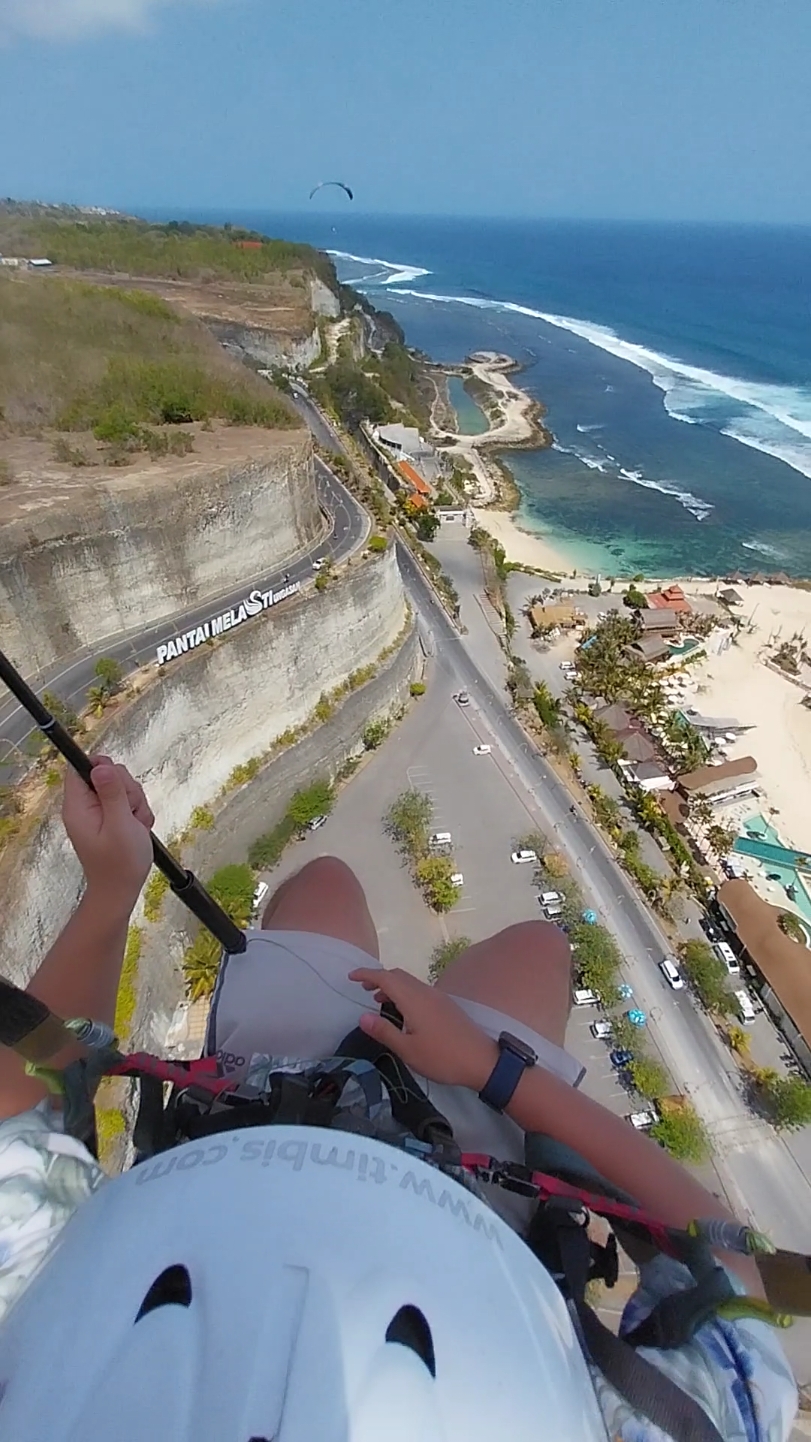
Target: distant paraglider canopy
[(322, 183)]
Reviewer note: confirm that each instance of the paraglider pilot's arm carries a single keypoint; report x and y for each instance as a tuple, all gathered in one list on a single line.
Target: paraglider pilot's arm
[(79, 976), (439, 1041)]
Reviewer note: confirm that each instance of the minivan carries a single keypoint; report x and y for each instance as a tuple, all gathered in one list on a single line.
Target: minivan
[(745, 1007), (440, 838), (724, 952), (670, 972)]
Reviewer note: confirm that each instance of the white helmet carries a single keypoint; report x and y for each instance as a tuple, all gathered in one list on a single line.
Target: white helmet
[(293, 1284)]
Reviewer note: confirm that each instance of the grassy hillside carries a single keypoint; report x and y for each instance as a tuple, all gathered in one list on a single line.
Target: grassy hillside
[(178, 250), (80, 357)]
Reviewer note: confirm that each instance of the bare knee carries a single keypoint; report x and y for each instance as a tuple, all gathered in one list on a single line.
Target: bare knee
[(530, 946), (325, 896)]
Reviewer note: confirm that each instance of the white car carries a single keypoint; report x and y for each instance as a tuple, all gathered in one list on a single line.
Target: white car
[(584, 997), (461, 698), (322, 561), (260, 894), (551, 898), (642, 1120), (316, 823), (552, 910), (483, 750), (725, 954), (522, 858), (601, 1030), (457, 879), (671, 974)]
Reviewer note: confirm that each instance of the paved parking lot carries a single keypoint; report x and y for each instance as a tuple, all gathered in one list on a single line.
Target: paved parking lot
[(477, 799)]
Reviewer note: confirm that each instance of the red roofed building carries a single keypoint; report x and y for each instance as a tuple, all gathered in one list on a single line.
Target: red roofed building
[(672, 598), (249, 244), (414, 479)]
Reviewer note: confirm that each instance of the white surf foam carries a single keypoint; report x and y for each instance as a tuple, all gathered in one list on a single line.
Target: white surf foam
[(771, 418), (694, 504), (397, 272), (764, 549), (586, 430), (591, 461)]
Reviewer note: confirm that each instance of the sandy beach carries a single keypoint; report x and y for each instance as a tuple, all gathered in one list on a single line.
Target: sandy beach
[(738, 683), (524, 548)]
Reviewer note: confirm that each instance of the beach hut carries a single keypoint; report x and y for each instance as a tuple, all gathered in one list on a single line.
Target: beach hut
[(780, 579), (758, 579)]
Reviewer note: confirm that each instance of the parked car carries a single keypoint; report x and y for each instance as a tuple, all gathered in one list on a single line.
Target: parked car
[(440, 839), (548, 898), (725, 954), (457, 879), (621, 1058), (316, 823), (521, 858), (260, 894), (317, 565), (552, 910), (671, 974), (585, 997), (642, 1120), (601, 1030), (483, 750), (462, 698), (711, 930)]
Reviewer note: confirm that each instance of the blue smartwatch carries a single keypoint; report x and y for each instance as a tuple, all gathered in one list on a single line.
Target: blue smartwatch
[(515, 1057)]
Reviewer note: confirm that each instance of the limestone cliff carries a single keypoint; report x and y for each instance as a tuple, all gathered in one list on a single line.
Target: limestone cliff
[(84, 559), (209, 712)]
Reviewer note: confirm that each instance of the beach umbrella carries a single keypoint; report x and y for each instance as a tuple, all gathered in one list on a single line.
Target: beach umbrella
[(636, 1017), (625, 991), (590, 918)]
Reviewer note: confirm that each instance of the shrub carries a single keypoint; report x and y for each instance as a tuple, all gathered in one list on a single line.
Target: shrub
[(109, 672), (127, 986), (792, 927), (407, 821), (707, 976), (53, 776), (788, 1100), (245, 771), (444, 953), (417, 688), (233, 887), (322, 581), (266, 850), (110, 1128), (317, 799), (154, 892), (377, 544), (433, 876), (650, 1078), (324, 708), (200, 965), (681, 1132), (374, 734), (201, 819)]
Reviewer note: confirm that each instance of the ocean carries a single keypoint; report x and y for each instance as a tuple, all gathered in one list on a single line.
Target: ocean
[(674, 362)]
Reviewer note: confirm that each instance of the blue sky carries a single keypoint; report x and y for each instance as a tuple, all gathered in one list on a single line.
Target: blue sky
[(693, 109)]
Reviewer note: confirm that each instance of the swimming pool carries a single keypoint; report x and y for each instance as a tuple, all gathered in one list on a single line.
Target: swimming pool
[(761, 841)]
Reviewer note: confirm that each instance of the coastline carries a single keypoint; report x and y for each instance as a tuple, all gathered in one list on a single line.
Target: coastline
[(514, 423)]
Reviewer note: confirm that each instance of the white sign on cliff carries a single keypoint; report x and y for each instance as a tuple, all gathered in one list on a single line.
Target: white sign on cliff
[(253, 604)]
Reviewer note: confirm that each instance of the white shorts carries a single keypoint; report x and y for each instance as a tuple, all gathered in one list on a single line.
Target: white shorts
[(289, 994)]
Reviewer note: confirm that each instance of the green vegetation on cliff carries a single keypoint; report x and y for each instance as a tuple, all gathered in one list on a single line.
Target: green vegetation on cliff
[(128, 246), (81, 357)]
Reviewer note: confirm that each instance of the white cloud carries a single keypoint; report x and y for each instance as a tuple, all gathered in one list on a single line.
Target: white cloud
[(70, 19)]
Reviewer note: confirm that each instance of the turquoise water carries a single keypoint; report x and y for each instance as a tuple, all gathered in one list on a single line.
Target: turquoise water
[(688, 644), (761, 841), (471, 418)]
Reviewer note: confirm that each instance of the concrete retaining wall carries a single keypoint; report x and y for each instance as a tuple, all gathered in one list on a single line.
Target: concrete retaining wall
[(127, 549), (211, 711)]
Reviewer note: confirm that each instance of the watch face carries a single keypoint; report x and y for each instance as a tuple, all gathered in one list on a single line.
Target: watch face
[(518, 1047)]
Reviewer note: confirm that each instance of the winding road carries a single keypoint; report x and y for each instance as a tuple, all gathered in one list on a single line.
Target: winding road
[(71, 677)]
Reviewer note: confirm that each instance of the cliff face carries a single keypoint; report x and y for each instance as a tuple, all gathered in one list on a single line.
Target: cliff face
[(80, 561), (216, 708), (271, 349)]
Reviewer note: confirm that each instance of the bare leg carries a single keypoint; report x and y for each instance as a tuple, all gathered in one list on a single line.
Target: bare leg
[(325, 897), (524, 971)]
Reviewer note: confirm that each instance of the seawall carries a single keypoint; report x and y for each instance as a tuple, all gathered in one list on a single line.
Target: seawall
[(214, 709), (95, 553)]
